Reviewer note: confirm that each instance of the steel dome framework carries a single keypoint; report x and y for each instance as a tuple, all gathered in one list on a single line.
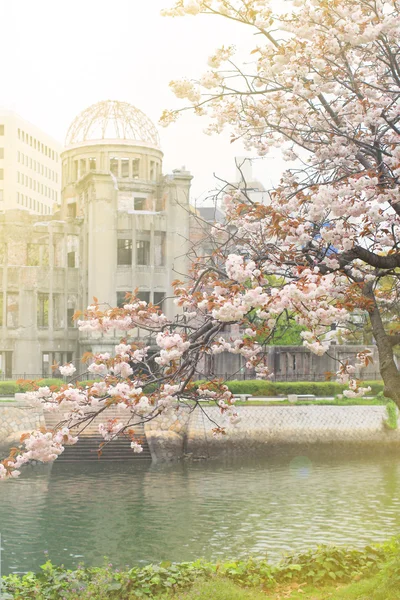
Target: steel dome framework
[(110, 120)]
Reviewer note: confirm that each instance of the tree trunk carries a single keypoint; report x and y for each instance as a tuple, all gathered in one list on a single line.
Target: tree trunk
[(387, 366)]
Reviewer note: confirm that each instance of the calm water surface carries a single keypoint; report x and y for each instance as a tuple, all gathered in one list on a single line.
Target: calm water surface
[(140, 513)]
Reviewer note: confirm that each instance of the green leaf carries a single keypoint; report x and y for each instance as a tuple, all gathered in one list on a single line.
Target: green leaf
[(114, 586), (332, 575)]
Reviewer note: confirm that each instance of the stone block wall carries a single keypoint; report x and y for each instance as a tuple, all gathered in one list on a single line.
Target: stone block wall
[(167, 434), (265, 427), (17, 419), (176, 433)]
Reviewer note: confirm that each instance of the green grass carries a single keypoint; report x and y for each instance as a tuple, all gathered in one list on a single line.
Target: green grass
[(223, 589), (219, 589)]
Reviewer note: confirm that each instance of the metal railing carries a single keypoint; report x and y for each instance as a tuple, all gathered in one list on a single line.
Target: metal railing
[(370, 376), (36, 376)]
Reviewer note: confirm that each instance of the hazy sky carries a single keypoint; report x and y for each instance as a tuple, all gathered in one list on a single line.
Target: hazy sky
[(60, 56)]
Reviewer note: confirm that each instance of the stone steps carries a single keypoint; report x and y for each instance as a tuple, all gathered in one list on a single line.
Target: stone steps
[(86, 449), (89, 441)]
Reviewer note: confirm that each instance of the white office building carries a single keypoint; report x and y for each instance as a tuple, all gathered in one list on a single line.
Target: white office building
[(30, 166)]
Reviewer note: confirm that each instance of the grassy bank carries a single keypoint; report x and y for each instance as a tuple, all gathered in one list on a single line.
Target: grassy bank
[(328, 572)]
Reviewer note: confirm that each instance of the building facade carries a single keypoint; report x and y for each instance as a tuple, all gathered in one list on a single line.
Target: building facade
[(30, 166), (121, 225)]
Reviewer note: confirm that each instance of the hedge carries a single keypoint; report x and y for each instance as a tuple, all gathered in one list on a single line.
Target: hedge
[(12, 387), (326, 565), (255, 387), (258, 387)]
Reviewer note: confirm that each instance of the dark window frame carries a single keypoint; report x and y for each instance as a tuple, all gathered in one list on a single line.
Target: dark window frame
[(124, 252)]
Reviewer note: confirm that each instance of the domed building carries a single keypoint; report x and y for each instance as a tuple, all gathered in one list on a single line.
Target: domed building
[(121, 225), (113, 182)]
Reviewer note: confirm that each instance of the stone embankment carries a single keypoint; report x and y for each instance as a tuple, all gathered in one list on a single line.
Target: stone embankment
[(15, 419), (262, 429)]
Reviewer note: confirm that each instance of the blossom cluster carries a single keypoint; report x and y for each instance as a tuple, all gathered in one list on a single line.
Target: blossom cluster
[(172, 345)]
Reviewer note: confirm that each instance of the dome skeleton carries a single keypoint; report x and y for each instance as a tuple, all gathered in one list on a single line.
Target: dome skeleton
[(112, 120)]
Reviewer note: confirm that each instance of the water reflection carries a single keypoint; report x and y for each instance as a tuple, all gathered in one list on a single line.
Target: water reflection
[(137, 512)]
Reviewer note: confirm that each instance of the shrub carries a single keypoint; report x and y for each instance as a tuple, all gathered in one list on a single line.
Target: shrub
[(317, 388), (318, 567), (389, 576), (257, 387), (8, 388), (330, 564), (24, 385), (391, 421)]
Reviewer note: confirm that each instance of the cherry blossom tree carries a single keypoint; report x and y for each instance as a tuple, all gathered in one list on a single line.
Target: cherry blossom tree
[(322, 84)]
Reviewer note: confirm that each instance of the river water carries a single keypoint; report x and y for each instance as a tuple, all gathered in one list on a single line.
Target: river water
[(138, 512)]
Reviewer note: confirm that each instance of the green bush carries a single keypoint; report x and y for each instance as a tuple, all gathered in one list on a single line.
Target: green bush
[(317, 388), (376, 387), (392, 419), (329, 564), (8, 388), (389, 576), (53, 582), (257, 387), (325, 565), (26, 385)]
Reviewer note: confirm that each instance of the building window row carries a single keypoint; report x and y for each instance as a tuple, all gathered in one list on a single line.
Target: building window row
[(36, 186), (36, 144), (125, 167), (31, 163), (42, 310), (1, 153), (82, 166), (143, 250), (43, 301), (33, 204), (119, 167), (37, 254)]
